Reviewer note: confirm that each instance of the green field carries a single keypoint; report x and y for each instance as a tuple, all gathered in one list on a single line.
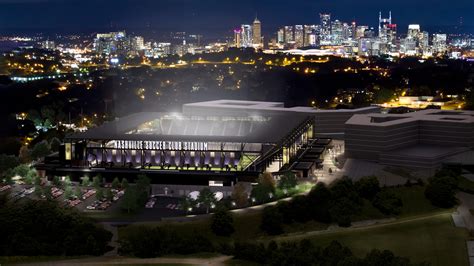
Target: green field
[(433, 239)]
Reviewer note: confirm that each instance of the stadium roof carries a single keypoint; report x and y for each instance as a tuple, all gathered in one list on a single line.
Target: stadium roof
[(210, 128)]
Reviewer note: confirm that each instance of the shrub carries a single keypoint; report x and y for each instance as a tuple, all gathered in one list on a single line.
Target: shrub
[(368, 187), (287, 181), (388, 203), (271, 221), (222, 223), (441, 194)]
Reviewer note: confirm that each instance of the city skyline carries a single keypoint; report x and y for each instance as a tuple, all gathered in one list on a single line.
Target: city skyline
[(209, 18)]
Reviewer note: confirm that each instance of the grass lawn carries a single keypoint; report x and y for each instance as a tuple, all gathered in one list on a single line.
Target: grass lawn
[(414, 201), (466, 185), (246, 227), (434, 239)]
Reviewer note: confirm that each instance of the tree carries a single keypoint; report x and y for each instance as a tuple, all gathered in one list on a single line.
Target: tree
[(319, 199), (206, 198), (116, 183), (288, 181), (24, 154), (143, 189), (21, 170), (388, 202), (96, 181), (342, 209), (240, 195), (272, 221), (68, 193), (99, 194), (40, 150), (130, 200), (49, 229), (7, 162), (108, 194), (56, 182), (78, 193), (47, 193), (441, 193), (261, 193), (124, 183), (67, 181), (222, 223), (368, 187), (266, 180), (264, 189), (85, 181), (187, 204), (384, 95)]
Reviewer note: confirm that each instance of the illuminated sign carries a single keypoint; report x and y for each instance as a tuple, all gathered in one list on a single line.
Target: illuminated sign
[(161, 145), (68, 151)]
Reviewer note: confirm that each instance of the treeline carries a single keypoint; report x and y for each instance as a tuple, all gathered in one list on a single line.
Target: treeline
[(150, 242), (337, 203), (43, 228), (305, 253)]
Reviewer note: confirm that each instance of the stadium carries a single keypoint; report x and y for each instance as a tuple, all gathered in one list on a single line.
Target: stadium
[(210, 143)]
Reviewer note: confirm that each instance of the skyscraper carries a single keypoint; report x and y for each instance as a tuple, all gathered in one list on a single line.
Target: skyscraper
[(325, 22), (299, 36), (289, 36), (336, 32), (246, 36), (440, 43), (384, 26), (413, 31), (238, 38), (310, 35), (281, 36), (257, 33)]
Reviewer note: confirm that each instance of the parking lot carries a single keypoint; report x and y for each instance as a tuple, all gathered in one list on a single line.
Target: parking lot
[(157, 207)]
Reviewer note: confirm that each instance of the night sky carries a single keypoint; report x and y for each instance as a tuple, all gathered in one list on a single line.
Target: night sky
[(206, 16)]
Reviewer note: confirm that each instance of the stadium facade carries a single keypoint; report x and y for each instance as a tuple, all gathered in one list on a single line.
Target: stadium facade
[(209, 143)]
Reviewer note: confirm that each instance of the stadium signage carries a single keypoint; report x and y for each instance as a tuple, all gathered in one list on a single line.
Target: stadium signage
[(161, 145)]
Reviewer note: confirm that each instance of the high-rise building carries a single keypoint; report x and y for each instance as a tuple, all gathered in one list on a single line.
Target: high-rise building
[(137, 44), (408, 46), (257, 33), (353, 29), (325, 22), (111, 43), (247, 36), (299, 36), (289, 36), (413, 31), (281, 36), (310, 35), (384, 26), (238, 38), (424, 40), (360, 31), (440, 43), (336, 32)]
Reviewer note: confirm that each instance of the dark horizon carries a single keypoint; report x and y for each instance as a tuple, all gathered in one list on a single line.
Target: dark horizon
[(210, 17)]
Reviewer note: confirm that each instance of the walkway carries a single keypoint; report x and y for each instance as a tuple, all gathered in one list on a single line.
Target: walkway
[(215, 261)]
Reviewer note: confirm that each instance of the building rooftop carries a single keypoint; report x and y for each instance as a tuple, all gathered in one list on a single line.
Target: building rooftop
[(256, 106), (382, 120), (211, 127)]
